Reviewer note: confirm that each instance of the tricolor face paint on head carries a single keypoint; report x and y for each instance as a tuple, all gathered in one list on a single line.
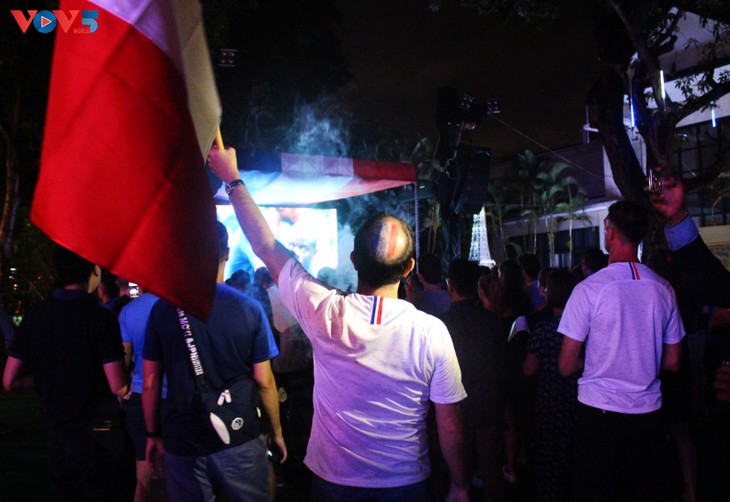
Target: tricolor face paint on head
[(385, 240)]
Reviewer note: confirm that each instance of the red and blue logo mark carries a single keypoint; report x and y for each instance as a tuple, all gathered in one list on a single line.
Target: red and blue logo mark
[(376, 314), (634, 271), (45, 21)]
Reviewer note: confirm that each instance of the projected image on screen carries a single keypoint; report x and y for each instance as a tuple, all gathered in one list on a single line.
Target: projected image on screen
[(311, 234)]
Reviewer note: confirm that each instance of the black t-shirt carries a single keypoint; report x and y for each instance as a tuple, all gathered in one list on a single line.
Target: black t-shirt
[(480, 345), (66, 340)]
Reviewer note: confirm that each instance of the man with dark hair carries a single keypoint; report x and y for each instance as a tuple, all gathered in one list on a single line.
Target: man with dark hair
[(108, 290), (378, 362), (530, 266), (480, 345), (236, 341), (241, 280), (72, 350), (593, 260), (635, 330), (432, 298)]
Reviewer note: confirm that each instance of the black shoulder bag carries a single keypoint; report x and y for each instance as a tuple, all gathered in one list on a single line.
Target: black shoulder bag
[(232, 410)]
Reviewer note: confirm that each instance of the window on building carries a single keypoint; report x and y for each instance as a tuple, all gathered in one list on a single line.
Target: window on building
[(698, 147)]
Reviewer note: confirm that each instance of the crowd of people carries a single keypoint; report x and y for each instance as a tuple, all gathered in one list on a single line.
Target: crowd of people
[(596, 383)]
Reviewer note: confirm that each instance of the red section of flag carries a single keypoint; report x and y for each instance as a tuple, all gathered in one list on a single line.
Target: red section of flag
[(375, 170), (122, 179)]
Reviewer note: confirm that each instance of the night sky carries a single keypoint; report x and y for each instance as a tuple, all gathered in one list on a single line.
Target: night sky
[(400, 53)]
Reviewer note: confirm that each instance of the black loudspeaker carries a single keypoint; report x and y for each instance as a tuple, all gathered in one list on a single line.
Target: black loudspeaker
[(472, 178)]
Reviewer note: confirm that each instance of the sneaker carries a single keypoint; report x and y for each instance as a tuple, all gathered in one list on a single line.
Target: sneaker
[(509, 476)]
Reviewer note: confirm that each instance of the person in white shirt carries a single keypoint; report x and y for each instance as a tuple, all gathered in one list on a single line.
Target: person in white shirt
[(378, 362), (627, 318)]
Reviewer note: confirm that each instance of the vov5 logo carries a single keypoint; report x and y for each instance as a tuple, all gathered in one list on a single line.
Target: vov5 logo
[(45, 21)]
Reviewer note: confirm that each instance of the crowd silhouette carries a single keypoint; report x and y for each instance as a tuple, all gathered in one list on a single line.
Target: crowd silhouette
[(610, 381)]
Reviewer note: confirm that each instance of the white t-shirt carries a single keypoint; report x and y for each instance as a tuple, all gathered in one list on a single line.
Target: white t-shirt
[(624, 313), (377, 363)]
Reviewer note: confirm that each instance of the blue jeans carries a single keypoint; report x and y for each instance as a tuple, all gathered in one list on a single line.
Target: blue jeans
[(324, 491), (241, 472)]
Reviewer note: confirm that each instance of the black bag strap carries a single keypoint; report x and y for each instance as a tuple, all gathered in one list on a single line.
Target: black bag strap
[(194, 356)]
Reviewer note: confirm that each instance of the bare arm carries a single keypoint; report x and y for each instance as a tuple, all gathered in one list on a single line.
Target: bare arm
[(13, 378), (269, 394), (531, 364), (570, 359), (671, 356), (722, 383), (451, 440), (151, 392), (118, 377), (274, 255)]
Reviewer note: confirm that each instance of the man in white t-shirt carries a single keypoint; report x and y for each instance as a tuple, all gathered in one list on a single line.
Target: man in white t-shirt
[(378, 362), (627, 318)]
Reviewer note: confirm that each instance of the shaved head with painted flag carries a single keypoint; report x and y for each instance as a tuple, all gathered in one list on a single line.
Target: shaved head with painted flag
[(383, 250), (378, 361)]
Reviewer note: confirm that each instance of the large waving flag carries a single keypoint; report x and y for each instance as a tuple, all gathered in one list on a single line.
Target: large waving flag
[(132, 111)]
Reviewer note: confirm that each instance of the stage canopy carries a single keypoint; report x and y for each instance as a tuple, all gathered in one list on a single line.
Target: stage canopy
[(287, 179)]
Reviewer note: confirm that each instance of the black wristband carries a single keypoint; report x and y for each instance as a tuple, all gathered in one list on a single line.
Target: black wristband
[(232, 185), (155, 434)]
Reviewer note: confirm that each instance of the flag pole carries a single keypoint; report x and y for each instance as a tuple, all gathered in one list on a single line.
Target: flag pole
[(219, 140)]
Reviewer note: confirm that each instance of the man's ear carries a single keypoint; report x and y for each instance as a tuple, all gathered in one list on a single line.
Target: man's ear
[(409, 268), (94, 279), (353, 259), (610, 233)]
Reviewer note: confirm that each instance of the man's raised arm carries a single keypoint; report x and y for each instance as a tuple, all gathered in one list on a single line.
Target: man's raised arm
[(274, 255)]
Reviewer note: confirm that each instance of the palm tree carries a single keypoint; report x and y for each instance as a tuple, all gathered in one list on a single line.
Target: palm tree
[(525, 183), (576, 200), (497, 208), (551, 191)]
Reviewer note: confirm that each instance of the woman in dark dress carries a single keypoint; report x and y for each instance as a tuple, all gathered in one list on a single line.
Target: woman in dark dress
[(556, 398)]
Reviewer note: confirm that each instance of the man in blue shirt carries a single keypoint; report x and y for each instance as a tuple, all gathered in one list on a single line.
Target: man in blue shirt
[(133, 323), (236, 340)]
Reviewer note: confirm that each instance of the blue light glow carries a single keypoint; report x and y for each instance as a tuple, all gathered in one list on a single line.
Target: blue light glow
[(631, 109)]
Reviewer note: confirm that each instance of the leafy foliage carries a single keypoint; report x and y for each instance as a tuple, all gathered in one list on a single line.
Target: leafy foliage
[(537, 190)]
